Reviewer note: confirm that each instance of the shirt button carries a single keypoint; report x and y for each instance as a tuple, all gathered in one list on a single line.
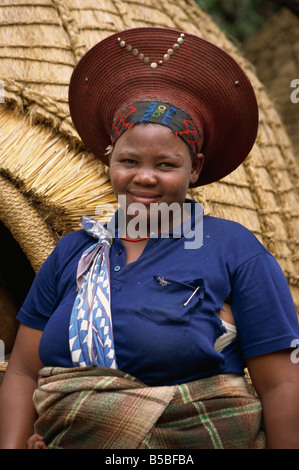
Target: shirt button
[(117, 268)]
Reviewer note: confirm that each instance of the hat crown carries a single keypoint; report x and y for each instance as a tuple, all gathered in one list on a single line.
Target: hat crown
[(145, 59)]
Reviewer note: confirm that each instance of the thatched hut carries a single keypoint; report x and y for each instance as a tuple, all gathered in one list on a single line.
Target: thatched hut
[(274, 51), (47, 177)]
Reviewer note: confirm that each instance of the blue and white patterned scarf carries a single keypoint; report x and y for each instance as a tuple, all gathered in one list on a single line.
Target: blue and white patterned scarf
[(90, 333)]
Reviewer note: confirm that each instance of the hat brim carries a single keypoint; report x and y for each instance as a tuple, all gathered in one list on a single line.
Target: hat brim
[(199, 78)]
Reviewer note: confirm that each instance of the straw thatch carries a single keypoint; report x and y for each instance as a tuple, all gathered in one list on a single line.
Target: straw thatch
[(275, 53), (42, 157)]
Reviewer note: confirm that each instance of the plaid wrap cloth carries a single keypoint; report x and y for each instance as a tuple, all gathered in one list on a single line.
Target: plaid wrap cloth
[(102, 408)]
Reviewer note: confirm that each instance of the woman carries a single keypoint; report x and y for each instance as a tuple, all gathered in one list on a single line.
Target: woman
[(160, 362)]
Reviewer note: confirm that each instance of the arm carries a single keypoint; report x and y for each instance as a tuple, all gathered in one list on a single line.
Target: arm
[(17, 411), (276, 380)]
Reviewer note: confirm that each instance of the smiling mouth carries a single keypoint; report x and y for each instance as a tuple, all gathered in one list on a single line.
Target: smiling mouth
[(143, 196)]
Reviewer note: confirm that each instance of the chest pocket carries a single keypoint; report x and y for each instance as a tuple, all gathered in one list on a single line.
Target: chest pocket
[(167, 301)]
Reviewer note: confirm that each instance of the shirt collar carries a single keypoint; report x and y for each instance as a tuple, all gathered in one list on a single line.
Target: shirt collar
[(194, 213)]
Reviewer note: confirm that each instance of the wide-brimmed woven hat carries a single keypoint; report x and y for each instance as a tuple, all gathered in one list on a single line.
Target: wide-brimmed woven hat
[(143, 64)]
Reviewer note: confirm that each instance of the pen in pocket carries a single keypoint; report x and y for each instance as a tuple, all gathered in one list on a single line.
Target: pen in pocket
[(192, 295)]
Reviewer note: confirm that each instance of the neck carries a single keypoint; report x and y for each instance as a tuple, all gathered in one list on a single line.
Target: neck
[(162, 228)]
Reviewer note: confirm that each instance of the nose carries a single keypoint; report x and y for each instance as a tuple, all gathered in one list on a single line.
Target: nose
[(145, 177)]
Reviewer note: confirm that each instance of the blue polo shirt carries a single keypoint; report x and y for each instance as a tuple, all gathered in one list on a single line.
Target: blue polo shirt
[(164, 304)]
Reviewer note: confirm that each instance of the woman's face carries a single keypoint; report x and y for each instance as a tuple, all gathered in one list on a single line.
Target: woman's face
[(150, 164)]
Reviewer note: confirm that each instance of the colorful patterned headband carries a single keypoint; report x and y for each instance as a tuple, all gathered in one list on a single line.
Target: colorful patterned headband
[(160, 113)]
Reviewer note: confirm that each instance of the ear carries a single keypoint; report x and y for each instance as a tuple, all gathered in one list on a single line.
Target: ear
[(109, 151), (197, 164)]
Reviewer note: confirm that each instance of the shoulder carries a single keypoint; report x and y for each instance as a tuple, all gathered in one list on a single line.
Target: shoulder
[(231, 240), (75, 242), (69, 247), (229, 230), (76, 238), (228, 226)]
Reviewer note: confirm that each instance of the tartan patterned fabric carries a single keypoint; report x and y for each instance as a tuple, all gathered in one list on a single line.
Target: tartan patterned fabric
[(101, 408)]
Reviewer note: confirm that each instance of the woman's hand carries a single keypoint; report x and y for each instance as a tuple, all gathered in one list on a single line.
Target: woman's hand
[(17, 411), (36, 442)]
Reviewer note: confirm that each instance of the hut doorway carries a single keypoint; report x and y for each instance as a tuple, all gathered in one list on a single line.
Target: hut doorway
[(16, 277), (25, 242)]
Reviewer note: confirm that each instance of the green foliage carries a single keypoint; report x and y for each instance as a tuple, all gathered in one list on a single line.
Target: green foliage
[(239, 18)]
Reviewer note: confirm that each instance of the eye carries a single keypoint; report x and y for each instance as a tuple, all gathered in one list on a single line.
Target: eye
[(128, 161), (166, 165)]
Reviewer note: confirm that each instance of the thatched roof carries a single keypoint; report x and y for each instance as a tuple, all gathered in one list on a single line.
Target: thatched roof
[(274, 51), (40, 42)]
